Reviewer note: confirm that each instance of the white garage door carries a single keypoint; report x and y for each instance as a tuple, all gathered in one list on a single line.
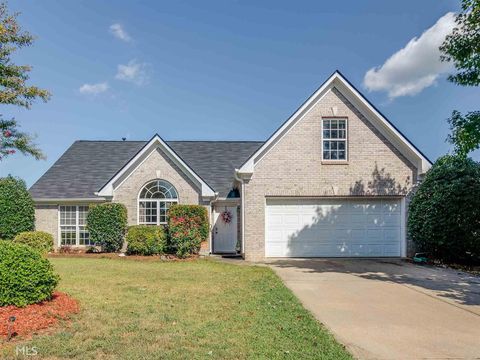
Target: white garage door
[(333, 228)]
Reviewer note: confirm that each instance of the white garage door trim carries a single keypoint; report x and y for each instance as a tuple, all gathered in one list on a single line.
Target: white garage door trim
[(299, 201)]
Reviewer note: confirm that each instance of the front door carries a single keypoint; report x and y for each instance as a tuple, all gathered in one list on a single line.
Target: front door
[(225, 229)]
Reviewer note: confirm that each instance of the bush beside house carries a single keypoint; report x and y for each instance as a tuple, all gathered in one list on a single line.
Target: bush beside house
[(187, 227), (107, 225), (26, 277), (17, 209), (38, 240), (444, 214), (146, 240)]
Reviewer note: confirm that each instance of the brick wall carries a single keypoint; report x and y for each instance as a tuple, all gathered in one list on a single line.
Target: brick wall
[(293, 167), (46, 219)]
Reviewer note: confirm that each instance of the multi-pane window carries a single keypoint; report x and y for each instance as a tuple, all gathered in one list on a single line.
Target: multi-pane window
[(154, 201), (334, 139), (73, 225)]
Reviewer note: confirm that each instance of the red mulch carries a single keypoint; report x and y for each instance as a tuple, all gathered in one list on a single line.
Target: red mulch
[(39, 316)]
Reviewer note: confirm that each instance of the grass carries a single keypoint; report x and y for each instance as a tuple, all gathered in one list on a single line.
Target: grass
[(199, 309)]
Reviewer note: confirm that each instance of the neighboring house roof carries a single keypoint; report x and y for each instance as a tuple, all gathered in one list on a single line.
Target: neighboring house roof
[(381, 123), (88, 165)]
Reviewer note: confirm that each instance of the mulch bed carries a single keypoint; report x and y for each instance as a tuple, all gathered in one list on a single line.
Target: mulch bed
[(167, 257), (30, 319)]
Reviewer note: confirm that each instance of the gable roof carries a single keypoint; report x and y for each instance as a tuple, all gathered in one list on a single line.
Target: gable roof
[(381, 123), (88, 165)]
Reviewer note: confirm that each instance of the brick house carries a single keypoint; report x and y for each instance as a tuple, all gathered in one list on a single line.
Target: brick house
[(332, 181)]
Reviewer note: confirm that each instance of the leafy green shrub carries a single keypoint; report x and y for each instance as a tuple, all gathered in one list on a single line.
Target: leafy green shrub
[(17, 210), (188, 227), (26, 277), (146, 240), (444, 214), (38, 240), (107, 224)]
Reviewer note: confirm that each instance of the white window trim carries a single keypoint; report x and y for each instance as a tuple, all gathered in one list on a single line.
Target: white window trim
[(77, 225), (157, 201), (173, 201), (346, 140)]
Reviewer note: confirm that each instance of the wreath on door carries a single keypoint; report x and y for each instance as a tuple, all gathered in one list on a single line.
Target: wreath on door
[(227, 217)]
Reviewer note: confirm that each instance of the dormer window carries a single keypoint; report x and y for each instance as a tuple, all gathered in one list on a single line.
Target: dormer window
[(334, 141)]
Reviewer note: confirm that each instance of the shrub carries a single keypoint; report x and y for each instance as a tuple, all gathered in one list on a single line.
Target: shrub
[(107, 224), (444, 214), (38, 240), (188, 227), (146, 240), (17, 210), (26, 277)]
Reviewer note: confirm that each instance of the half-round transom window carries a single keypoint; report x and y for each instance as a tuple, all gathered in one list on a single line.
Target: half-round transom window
[(158, 189), (154, 201)]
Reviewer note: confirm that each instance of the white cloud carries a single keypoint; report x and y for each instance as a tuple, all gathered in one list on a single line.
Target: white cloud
[(416, 66), (118, 31), (134, 72), (93, 89)]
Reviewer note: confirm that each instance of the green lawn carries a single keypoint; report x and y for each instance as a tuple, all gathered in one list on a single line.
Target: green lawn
[(200, 309)]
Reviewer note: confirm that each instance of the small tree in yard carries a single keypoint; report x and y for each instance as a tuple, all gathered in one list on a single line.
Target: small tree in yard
[(13, 87), (444, 214), (17, 209), (187, 227), (107, 224)]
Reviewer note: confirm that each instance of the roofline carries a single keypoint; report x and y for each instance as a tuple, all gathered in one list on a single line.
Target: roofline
[(61, 200), (335, 75), (170, 141), (392, 124), (209, 192)]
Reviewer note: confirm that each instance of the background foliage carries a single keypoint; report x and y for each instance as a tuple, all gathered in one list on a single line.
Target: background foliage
[(444, 214), (188, 227), (107, 224), (38, 240), (25, 276), (17, 210)]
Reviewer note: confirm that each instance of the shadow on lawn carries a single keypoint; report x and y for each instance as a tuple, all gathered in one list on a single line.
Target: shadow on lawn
[(460, 287)]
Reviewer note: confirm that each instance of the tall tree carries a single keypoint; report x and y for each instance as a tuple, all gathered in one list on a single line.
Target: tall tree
[(462, 48), (13, 86)]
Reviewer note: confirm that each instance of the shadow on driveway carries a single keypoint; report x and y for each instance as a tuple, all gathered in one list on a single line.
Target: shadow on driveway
[(459, 287)]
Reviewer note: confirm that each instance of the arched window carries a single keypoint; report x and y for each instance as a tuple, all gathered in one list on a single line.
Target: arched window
[(154, 200)]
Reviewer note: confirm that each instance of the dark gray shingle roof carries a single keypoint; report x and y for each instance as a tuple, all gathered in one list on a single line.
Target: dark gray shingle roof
[(88, 165)]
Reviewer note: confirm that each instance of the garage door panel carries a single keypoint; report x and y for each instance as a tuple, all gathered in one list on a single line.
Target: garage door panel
[(333, 227)]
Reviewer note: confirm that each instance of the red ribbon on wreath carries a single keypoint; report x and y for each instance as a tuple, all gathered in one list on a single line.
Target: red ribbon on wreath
[(227, 217)]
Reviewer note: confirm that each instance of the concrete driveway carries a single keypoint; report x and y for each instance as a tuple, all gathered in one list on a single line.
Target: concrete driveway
[(390, 309)]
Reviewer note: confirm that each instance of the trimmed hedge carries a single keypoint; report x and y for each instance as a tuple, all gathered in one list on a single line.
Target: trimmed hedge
[(107, 224), (444, 214), (146, 240), (17, 209), (26, 277), (38, 240), (188, 227)]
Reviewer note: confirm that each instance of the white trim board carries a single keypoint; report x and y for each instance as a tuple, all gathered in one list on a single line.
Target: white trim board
[(337, 81), (155, 143)]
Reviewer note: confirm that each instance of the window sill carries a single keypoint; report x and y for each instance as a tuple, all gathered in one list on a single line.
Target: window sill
[(334, 162)]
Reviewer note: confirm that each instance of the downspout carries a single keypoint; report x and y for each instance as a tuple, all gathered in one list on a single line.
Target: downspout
[(242, 202), (210, 242)]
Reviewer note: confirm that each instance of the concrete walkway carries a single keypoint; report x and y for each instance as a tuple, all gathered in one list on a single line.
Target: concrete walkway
[(389, 309)]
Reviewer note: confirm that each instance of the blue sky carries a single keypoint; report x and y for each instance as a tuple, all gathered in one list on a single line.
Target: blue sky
[(224, 70)]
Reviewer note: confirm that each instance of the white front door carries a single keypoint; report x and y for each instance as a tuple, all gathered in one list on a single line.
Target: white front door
[(225, 229), (333, 227)]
